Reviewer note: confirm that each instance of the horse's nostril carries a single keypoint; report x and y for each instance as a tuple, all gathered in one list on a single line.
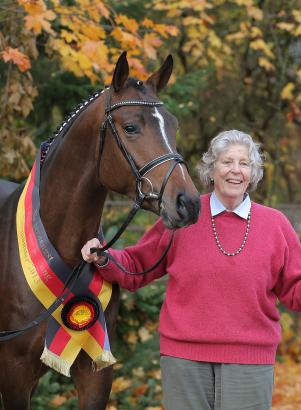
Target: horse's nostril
[(188, 208)]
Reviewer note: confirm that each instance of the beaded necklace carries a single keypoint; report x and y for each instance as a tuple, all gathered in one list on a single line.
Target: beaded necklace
[(241, 246)]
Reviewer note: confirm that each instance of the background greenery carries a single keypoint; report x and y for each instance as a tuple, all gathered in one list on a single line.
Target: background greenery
[(237, 65)]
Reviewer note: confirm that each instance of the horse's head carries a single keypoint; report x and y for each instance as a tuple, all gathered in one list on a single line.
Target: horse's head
[(145, 131)]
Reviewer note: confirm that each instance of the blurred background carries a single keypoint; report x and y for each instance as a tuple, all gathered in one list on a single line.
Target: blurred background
[(237, 65)]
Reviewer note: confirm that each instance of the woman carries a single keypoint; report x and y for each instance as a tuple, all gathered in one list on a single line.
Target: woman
[(219, 326)]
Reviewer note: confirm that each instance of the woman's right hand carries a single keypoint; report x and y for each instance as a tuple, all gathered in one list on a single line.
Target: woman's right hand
[(93, 257)]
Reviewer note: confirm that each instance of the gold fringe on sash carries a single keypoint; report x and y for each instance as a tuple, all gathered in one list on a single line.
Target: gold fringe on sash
[(55, 362), (104, 360)]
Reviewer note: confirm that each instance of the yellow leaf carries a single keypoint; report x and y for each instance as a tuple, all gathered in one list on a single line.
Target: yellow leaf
[(60, 45), (130, 24), (120, 384), (84, 61), (92, 31), (263, 62), (94, 14), (131, 337), (255, 12), (215, 41), (68, 36), (286, 26), (162, 29), (287, 91), (173, 13), (72, 66), (192, 32), (247, 3), (256, 32), (297, 15), (236, 36), (144, 334), (259, 44), (187, 21), (117, 34), (297, 32), (154, 408)]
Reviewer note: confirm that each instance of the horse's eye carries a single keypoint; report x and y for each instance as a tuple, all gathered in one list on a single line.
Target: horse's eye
[(130, 129)]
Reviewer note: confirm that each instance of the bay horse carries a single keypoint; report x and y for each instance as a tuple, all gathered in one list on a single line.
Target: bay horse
[(78, 171)]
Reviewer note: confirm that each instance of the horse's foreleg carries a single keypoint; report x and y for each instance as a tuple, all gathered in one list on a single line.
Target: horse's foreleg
[(16, 400), (93, 387), (17, 396)]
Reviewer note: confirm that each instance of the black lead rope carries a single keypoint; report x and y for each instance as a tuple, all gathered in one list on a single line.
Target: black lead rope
[(102, 252), (134, 210)]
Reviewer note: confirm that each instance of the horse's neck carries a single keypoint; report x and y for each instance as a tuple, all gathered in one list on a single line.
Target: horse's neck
[(71, 198)]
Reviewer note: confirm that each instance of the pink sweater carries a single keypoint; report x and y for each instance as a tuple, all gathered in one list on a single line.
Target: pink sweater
[(219, 308)]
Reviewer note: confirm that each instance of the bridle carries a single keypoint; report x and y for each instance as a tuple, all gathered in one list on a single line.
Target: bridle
[(139, 174)]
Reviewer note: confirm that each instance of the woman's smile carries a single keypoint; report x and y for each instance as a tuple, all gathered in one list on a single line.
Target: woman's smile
[(231, 175)]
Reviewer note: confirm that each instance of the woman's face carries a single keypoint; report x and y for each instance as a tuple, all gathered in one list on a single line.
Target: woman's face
[(231, 174)]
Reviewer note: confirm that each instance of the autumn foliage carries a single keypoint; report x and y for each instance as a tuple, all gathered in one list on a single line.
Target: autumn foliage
[(86, 38), (237, 65)]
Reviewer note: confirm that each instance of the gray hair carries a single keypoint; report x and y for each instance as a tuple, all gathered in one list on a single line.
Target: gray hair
[(219, 144)]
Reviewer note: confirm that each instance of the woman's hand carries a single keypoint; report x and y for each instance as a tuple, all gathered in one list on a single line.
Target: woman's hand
[(93, 257)]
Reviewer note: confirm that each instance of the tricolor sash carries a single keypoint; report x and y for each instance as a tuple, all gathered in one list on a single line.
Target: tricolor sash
[(46, 274)]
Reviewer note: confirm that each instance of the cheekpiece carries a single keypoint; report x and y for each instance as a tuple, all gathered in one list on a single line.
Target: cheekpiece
[(80, 312)]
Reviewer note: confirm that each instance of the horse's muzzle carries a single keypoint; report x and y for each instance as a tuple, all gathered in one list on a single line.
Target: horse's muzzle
[(188, 208), (187, 212)]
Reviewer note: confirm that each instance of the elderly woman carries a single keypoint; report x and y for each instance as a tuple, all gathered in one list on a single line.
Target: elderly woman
[(219, 325)]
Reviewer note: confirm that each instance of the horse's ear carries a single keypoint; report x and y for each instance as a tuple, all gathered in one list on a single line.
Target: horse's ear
[(160, 78), (121, 72)]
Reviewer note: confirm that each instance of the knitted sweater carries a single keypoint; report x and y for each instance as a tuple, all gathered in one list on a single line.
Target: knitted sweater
[(219, 308)]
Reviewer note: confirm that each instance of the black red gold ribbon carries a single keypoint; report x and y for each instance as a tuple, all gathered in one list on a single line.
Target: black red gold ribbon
[(46, 274)]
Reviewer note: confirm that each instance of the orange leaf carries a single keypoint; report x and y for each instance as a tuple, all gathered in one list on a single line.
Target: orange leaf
[(18, 58), (150, 43), (38, 16), (147, 23), (129, 24)]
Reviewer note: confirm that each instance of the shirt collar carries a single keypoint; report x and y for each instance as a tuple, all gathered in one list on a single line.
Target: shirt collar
[(242, 210)]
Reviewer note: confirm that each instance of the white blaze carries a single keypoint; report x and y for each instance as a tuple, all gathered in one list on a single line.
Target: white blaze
[(164, 136), (162, 127)]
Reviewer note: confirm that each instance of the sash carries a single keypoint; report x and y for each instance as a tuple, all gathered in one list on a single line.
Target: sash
[(46, 274)]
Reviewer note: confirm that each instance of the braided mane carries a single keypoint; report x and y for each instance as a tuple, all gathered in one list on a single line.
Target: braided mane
[(67, 122)]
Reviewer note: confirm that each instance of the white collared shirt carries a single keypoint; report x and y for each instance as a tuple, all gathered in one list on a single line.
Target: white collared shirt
[(242, 210)]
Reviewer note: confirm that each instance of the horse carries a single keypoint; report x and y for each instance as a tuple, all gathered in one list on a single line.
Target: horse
[(78, 171)]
